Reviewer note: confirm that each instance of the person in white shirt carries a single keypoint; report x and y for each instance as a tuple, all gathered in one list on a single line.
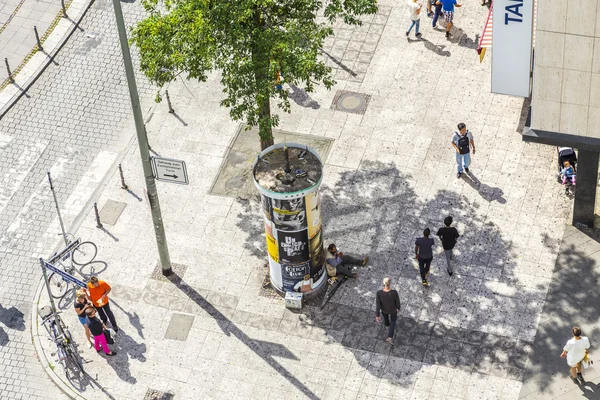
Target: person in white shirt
[(575, 351), (414, 10)]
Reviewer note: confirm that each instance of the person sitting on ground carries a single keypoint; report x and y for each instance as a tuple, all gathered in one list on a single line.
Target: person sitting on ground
[(567, 172), (338, 263)]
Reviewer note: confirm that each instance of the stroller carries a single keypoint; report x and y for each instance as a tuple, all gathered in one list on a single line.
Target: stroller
[(567, 154)]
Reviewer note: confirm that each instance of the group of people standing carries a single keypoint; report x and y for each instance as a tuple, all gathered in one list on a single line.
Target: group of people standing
[(91, 303), (445, 7)]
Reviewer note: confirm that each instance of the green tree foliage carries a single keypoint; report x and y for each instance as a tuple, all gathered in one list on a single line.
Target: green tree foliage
[(249, 42)]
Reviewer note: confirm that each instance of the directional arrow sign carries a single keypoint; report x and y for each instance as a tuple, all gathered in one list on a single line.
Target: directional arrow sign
[(64, 275), (169, 170)]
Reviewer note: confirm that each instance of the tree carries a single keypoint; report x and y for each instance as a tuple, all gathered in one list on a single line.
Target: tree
[(251, 42)]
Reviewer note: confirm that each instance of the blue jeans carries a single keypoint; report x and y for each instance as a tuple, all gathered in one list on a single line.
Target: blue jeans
[(463, 159), (413, 23), (390, 322), (436, 15)]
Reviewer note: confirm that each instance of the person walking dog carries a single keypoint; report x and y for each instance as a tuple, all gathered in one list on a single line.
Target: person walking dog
[(424, 254), (388, 304), (98, 291), (448, 234), (575, 351), (462, 141)]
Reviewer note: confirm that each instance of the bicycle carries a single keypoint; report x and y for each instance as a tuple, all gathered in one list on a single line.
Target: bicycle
[(66, 350), (78, 253)]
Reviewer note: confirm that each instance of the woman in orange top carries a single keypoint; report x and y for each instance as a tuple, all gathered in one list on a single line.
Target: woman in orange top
[(98, 294)]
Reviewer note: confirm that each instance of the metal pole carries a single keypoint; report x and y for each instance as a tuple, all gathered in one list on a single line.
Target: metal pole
[(98, 223), (171, 111), (45, 274), (37, 38), (8, 70), (159, 229), (62, 225), (123, 184), (64, 10)]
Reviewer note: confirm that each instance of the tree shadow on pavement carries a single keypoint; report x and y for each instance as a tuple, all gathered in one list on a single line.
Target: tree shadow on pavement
[(265, 350), (572, 300), (3, 337)]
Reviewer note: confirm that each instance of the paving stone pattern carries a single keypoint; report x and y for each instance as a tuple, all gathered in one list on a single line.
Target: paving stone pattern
[(390, 173), (73, 111)]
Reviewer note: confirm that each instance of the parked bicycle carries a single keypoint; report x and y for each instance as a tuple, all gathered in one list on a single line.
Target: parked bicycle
[(76, 253), (66, 349)]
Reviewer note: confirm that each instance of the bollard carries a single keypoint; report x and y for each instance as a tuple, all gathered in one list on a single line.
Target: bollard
[(37, 38), (98, 223), (8, 70), (123, 184), (171, 111), (64, 10)]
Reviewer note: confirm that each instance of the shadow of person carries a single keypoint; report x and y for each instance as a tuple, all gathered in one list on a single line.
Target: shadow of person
[(266, 350), (486, 192), (134, 319), (126, 348), (12, 317), (302, 98), (589, 390), (436, 48)]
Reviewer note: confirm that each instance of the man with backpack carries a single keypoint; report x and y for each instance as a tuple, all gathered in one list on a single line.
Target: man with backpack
[(462, 141)]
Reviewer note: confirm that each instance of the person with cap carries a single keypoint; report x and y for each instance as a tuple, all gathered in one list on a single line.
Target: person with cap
[(388, 305)]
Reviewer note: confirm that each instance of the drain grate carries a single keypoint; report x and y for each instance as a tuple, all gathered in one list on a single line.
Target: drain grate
[(351, 102), (153, 394)]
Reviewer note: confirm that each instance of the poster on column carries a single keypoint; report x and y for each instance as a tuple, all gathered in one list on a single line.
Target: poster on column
[(313, 213), (289, 215)]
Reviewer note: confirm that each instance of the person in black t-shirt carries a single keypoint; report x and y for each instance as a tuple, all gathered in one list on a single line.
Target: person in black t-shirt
[(97, 328), (424, 254), (81, 305), (448, 234), (388, 302)]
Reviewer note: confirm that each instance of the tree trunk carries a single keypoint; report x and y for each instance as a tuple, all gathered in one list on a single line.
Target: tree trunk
[(262, 82), (264, 126)]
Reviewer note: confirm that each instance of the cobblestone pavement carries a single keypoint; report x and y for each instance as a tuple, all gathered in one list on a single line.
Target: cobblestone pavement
[(72, 117), (212, 333), (17, 18)]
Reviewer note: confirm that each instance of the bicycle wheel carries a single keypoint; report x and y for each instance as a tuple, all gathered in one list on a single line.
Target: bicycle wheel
[(73, 357), (84, 253), (58, 286)]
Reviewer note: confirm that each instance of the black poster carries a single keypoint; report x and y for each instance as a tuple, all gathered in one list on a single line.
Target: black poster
[(293, 246)]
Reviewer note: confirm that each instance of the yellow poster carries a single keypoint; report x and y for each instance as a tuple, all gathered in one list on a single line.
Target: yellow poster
[(272, 248), (313, 213)]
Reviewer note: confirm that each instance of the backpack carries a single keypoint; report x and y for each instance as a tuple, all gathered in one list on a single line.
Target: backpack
[(463, 143)]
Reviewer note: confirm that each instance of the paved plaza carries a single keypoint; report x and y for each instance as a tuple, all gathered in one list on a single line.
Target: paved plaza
[(494, 330)]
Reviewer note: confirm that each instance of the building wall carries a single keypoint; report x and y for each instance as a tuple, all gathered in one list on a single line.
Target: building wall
[(566, 78)]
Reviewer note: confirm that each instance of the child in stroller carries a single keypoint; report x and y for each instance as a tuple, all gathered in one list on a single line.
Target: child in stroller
[(567, 167)]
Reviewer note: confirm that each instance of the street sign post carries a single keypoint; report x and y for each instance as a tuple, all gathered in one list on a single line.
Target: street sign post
[(169, 170), (64, 275)]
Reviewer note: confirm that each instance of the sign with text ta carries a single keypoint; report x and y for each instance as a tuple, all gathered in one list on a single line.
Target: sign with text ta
[(512, 36), (169, 170)]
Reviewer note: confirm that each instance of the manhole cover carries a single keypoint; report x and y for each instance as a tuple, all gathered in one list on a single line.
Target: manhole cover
[(179, 327), (111, 212), (351, 102)]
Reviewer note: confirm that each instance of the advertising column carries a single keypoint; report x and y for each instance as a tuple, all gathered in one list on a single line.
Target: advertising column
[(292, 216)]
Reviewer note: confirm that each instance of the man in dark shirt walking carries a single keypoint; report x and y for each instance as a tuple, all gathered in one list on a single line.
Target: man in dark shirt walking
[(448, 234), (424, 255), (388, 303)]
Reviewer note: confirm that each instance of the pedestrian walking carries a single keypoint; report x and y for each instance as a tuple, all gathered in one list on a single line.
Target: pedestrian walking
[(338, 263), (388, 304), (81, 306), (448, 9), (97, 328), (436, 14), (448, 234), (414, 10), (98, 291), (424, 254), (575, 351), (462, 141)]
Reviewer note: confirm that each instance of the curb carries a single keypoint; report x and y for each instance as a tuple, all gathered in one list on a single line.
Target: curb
[(11, 94)]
